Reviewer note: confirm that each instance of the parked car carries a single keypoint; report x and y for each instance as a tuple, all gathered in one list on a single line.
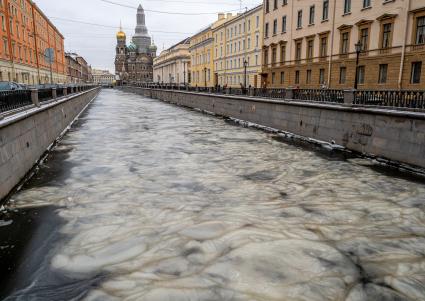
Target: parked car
[(7, 86)]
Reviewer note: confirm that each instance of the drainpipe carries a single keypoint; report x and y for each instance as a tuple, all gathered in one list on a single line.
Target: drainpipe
[(403, 52), (291, 44), (332, 46), (9, 42)]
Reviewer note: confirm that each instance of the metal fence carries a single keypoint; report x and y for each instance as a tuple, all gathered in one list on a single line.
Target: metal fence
[(399, 99), (11, 100), (45, 94), (269, 93), (384, 98), (319, 95)]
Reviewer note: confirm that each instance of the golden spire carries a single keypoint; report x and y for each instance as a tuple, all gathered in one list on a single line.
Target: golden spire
[(121, 34)]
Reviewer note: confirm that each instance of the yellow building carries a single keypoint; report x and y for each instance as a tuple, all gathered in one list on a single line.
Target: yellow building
[(238, 42), (202, 56)]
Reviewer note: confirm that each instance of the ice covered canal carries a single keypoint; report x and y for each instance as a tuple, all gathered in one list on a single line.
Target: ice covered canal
[(143, 200)]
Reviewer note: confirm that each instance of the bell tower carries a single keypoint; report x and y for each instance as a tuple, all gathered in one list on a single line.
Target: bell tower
[(121, 54)]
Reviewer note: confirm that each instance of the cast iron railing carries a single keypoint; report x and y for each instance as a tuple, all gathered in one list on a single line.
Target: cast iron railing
[(11, 100), (385, 98), (399, 99), (45, 94), (319, 95)]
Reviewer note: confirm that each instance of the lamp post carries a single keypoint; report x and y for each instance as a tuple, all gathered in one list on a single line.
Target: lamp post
[(245, 65), (205, 77), (184, 73), (359, 47)]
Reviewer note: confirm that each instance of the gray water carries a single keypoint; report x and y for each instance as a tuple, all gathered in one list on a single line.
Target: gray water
[(158, 202)]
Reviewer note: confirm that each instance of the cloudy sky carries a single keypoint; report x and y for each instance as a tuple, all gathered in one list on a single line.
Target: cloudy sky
[(96, 41)]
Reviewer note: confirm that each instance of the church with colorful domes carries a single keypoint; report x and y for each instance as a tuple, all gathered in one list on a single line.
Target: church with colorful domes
[(134, 62)]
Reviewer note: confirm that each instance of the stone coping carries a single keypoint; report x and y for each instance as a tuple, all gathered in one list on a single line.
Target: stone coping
[(32, 110)]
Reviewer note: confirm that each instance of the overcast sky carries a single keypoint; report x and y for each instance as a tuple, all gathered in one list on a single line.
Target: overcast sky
[(97, 44)]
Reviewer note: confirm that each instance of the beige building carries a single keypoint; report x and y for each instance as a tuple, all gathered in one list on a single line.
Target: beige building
[(103, 77), (202, 54), (311, 43), (173, 65), (238, 43)]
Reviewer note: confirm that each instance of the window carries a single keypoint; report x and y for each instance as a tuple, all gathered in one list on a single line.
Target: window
[(325, 13), (311, 18), (266, 30), (298, 49), (274, 54), (347, 6), (342, 75), (297, 77), (361, 74), (257, 21), (366, 3), (5, 47), (300, 19), (283, 24), (266, 57), (273, 78), (420, 30), (267, 4), (322, 76), (308, 79), (383, 71), (415, 77), (386, 35), (345, 38), (275, 4), (282, 78), (364, 38), (284, 2), (323, 46), (310, 46), (275, 27), (282, 53)]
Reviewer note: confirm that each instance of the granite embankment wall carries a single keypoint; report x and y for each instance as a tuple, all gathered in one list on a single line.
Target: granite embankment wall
[(398, 136), (25, 136)]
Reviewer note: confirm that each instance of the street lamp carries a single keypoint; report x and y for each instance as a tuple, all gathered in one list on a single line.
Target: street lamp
[(245, 65), (205, 71), (184, 73), (359, 47)]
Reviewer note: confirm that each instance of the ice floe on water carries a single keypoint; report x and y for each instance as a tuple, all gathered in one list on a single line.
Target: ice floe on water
[(160, 203), (4, 223)]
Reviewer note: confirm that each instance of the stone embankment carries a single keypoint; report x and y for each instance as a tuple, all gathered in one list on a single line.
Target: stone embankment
[(26, 135), (397, 136)]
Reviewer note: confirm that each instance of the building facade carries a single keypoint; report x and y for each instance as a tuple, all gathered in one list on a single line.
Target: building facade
[(238, 44), (202, 54), (26, 33), (173, 65), (312, 43), (103, 77), (78, 70), (134, 63)]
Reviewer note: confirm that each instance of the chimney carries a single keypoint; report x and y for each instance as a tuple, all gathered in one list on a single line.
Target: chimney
[(229, 15), (221, 16)]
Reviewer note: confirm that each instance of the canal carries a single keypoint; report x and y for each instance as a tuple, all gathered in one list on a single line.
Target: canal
[(143, 200)]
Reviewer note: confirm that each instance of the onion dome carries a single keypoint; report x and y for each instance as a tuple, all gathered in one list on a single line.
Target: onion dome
[(121, 34), (132, 47), (153, 48)]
